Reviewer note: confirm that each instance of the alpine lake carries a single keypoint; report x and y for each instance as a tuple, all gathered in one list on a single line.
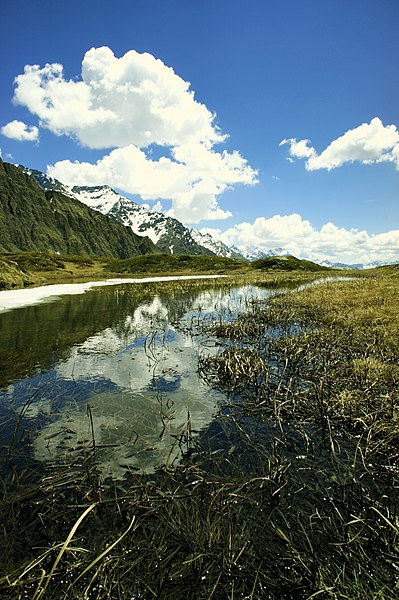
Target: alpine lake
[(111, 373), (216, 438)]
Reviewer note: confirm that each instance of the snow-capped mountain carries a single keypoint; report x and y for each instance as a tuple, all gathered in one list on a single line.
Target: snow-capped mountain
[(169, 235), (357, 266), (339, 265), (101, 197), (252, 253), (215, 246), (379, 263)]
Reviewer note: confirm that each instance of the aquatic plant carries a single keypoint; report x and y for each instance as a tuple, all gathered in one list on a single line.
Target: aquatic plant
[(292, 491)]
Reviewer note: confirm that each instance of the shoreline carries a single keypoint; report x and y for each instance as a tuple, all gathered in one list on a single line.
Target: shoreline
[(10, 299)]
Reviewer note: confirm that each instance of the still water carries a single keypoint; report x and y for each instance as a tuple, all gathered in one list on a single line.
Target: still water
[(110, 372)]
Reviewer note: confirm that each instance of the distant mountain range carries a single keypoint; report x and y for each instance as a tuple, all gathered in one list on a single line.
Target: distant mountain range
[(356, 266), (166, 234)]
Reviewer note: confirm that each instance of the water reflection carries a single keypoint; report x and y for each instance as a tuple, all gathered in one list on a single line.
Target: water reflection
[(114, 370)]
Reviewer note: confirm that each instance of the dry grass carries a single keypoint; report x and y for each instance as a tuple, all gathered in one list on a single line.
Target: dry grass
[(291, 493)]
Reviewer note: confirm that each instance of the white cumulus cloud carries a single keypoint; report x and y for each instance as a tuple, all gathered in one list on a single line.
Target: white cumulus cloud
[(18, 130), (135, 99), (130, 105), (192, 180), (300, 238), (369, 143), (299, 149)]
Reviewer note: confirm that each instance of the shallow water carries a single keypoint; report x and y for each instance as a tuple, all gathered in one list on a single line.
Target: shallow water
[(110, 374)]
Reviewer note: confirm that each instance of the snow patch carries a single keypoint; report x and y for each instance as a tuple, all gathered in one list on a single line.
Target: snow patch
[(10, 299)]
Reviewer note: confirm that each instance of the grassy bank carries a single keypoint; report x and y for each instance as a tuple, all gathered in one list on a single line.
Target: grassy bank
[(27, 269), (292, 492)]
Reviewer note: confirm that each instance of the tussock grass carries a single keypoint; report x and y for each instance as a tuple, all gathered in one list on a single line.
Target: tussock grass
[(325, 366), (292, 492)]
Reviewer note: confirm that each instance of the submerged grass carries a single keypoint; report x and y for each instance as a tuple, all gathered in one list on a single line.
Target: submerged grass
[(292, 492)]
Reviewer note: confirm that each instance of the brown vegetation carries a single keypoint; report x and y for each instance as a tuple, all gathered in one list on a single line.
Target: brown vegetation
[(291, 492)]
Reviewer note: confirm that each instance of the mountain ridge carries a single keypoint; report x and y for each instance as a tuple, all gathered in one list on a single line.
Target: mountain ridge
[(168, 234), (33, 219)]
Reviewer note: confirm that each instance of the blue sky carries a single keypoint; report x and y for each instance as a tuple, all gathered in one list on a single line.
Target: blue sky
[(261, 72)]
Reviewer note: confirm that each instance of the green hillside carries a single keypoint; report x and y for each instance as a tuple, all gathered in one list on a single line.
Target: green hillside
[(286, 263), (172, 263), (34, 220)]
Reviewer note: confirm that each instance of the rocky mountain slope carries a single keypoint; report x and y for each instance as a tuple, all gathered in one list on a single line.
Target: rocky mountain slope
[(169, 235), (49, 221), (216, 246)]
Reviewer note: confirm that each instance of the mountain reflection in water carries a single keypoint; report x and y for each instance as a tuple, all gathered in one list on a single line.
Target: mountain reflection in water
[(114, 369)]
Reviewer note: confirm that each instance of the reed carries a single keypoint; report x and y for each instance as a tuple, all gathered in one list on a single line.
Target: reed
[(292, 491)]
